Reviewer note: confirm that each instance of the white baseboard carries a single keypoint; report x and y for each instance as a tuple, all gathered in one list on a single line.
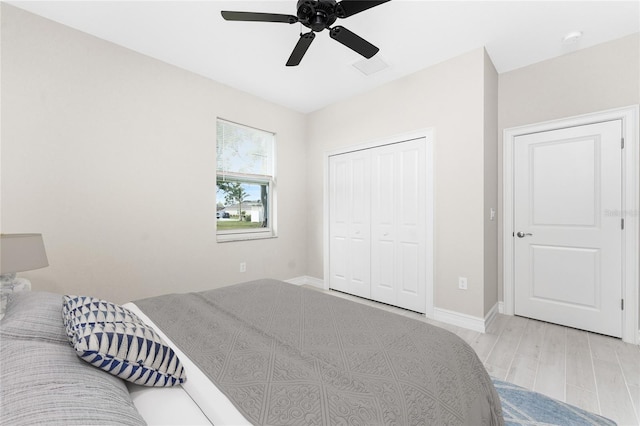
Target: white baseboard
[(306, 280), (466, 321), (442, 315), (491, 315), (296, 281), (501, 307), (458, 319)]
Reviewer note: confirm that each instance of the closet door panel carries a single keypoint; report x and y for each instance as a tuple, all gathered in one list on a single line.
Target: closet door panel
[(397, 225), (383, 218), (350, 242), (411, 279), (409, 276), (339, 213), (377, 223), (359, 256)]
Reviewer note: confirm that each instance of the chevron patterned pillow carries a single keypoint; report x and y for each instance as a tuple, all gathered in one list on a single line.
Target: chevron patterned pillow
[(80, 311), (114, 339)]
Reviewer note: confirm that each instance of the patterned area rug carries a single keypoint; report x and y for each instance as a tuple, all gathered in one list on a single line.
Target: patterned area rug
[(521, 406)]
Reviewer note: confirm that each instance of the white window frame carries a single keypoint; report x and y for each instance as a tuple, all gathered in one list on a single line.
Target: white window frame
[(269, 180)]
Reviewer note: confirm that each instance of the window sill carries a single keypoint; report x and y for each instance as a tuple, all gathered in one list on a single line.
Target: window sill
[(227, 238)]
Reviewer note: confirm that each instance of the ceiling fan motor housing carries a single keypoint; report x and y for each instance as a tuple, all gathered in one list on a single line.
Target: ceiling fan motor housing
[(317, 14)]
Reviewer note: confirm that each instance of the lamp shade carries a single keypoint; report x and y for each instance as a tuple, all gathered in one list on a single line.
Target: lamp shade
[(21, 252)]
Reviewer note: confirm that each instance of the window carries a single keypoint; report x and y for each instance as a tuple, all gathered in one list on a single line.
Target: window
[(245, 180)]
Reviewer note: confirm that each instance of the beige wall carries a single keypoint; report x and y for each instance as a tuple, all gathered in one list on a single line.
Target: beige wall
[(449, 98), (490, 184), (594, 79), (111, 156)]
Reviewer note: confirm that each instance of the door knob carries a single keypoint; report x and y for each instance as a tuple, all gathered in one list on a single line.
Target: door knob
[(522, 234)]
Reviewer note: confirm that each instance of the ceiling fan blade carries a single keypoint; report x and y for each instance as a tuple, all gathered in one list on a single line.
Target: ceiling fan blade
[(348, 8), (258, 17), (353, 41), (301, 48)]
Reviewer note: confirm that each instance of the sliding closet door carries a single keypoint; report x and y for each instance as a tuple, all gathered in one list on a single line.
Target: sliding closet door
[(349, 225), (398, 217)]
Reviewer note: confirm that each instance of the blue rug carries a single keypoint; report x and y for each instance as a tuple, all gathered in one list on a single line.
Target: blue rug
[(521, 406)]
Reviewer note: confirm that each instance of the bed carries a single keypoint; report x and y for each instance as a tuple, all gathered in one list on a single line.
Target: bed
[(264, 352)]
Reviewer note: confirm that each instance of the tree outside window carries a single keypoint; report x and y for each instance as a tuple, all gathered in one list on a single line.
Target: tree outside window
[(245, 182)]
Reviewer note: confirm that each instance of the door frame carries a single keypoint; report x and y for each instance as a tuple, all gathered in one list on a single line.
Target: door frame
[(630, 207), (428, 135)]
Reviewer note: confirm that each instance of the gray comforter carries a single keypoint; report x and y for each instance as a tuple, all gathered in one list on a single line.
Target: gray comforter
[(286, 355)]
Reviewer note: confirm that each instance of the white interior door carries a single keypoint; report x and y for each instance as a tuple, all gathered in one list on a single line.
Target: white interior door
[(349, 227), (398, 275), (568, 241)]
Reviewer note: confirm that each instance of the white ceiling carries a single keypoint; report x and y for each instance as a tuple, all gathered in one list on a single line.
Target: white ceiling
[(411, 35)]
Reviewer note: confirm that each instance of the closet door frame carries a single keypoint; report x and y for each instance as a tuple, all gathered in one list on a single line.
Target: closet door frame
[(428, 135)]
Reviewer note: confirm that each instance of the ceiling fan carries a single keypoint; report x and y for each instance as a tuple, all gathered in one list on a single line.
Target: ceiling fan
[(317, 15)]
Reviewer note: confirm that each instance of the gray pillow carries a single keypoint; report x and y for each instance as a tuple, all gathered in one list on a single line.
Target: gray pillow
[(46, 383), (34, 315)]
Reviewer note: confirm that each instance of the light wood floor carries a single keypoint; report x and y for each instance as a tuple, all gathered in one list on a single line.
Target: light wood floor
[(597, 373)]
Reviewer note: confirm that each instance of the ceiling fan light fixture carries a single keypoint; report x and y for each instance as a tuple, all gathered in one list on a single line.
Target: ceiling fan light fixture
[(318, 22), (371, 66)]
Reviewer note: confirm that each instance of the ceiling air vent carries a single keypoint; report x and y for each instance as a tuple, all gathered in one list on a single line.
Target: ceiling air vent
[(371, 66)]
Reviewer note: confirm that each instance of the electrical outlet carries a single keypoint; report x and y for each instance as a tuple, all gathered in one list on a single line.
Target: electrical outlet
[(243, 266), (462, 283)]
